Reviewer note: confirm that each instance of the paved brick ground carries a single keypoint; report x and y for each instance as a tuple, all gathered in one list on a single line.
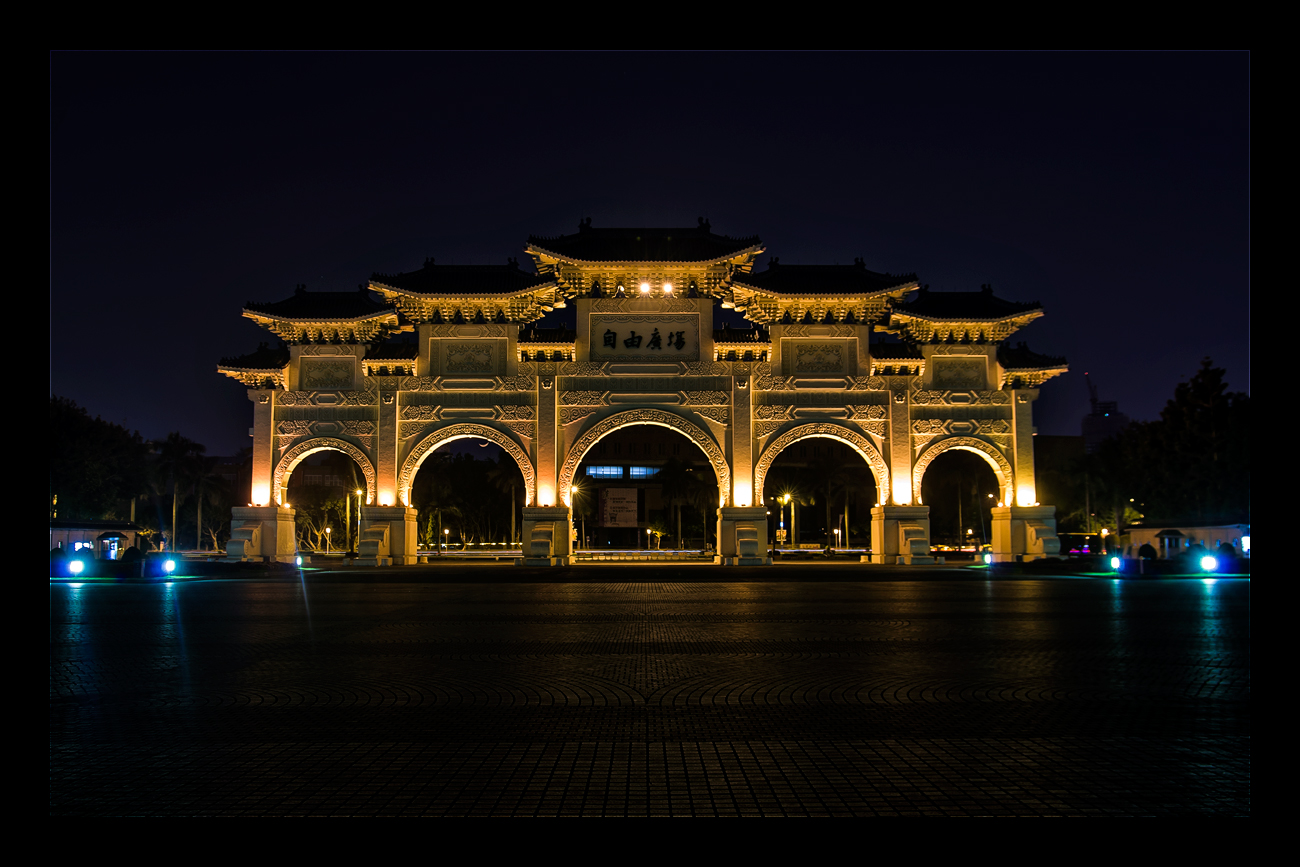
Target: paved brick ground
[(650, 691)]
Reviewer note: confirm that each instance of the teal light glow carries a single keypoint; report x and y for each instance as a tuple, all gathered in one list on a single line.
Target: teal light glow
[(169, 566), (1115, 562), (76, 566), (1209, 564)]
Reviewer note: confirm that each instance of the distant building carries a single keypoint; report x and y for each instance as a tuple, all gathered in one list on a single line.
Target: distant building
[(1103, 422)]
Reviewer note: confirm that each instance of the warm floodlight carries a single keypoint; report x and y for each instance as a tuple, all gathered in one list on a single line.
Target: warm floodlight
[(1209, 564), (645, 288), (668, 288)]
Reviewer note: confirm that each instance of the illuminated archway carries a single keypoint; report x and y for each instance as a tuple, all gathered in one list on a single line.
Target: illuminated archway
[(1001, 466), (442, 436), (852, 439), (658, 417), (295, 456)]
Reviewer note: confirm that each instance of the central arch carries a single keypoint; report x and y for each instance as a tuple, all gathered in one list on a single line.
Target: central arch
[(658, 417), (850, 438), (1001, 466), (295, 456), (442, 436)]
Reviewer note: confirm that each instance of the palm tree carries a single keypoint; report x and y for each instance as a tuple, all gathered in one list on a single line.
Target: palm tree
[(176, 457)]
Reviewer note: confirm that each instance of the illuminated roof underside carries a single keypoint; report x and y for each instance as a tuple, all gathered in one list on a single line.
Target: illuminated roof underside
[(469, 293), (689, 260), (817, 293)]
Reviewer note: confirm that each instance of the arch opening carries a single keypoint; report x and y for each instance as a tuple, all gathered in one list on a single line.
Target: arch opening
[(326, 486), (644, 487), (816, 490), (298, 453), (468, 493), (994, 458), (679, 476), (961, 490), (438, 438)]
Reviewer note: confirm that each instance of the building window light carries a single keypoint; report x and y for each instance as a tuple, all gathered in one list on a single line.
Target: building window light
[(605, 472), (642, 472)]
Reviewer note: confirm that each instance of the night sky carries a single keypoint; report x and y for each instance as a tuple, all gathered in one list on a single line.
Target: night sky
[(1111, 187)]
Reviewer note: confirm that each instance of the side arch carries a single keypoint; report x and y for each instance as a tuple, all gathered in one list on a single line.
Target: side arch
[(851, 438), (441, 436), (1001, 466), (659, 417), (294, 456)]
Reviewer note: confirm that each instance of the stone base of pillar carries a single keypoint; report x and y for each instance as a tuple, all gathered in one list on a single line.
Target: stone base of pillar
[(389, 536), (546, 535), (262, 534), (901, 534), (742, 536), (1024, 533)]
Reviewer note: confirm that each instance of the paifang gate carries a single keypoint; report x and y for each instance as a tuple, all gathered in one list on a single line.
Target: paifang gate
[(939, 376)]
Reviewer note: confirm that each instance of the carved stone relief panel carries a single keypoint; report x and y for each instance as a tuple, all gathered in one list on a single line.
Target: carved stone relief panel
[(459, 357), (960, 374), (325, 373), (804, 357)]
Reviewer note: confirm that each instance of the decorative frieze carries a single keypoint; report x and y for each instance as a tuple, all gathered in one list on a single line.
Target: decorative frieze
[(582, 398), (714, 413), (859, 411), (707, 398)]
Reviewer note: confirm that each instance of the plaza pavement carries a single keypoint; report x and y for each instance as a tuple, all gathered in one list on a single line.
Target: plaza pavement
[(649, 690)]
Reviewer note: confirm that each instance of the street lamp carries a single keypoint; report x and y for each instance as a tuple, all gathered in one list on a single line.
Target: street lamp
[(328, 548), (446, 540)]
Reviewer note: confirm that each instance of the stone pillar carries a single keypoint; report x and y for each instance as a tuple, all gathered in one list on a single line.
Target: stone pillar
[(547, 443), (1022, 445), (262, 533), (900, 534), (742, 444), (386, 450), (389, 536), (898, 450), (1023, 533), (545, 536), (742, 536), (263, 432)]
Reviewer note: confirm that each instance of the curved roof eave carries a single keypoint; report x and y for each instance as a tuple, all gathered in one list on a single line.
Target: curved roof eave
[(533, 249)]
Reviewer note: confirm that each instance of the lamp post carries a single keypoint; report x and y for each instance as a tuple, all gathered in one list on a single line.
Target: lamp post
[(357, 538), (446, 539), (328, 548)]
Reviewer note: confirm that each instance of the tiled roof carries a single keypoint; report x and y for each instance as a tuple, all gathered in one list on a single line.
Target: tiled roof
[(963, 305), (264, 358), (697, 244), (531, 334), (822, 279), (894, 350), (1021, 357), (323, 305), (393, 351), (434, 279)]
